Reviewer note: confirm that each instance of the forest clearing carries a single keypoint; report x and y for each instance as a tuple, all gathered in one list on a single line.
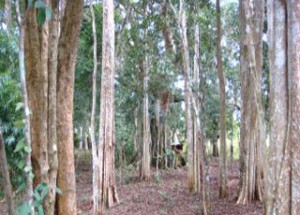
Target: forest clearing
[(149, 107)]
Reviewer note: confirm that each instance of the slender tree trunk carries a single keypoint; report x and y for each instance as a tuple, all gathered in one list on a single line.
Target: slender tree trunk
[(157, 116), (81, 138), (232, 137), (199, 153), (92, 128), (215, 152), (52, 79), (27, 129), (145, 167), (6, 178), (67, 53), (107, 184), (187, 96), (196, 125), (223, 191)]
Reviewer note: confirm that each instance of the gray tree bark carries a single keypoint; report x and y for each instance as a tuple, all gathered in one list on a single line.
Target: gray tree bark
[(223, 189)]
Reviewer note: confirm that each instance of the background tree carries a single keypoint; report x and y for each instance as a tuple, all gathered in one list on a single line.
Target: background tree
[(223, 161)]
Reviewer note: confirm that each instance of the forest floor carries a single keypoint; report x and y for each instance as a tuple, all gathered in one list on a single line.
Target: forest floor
[(166, 195)]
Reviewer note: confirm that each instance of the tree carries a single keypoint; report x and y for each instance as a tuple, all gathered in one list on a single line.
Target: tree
[(252, 123), (282, 182), (67, 46), (107, 183), (223, 191), (93, 115), (187, 96), (144, 67), (50, 63), (6, 178), (145, 167)]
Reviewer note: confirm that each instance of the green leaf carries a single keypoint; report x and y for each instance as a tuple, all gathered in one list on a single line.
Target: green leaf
[(31, 175), (37, 198), (23, 209), (41, 16), (44, 192), (39, 5), (21, 164), (21, 187), (29, 3), (58, 191), (27, 149), (40, 210), (20, 146), (19, 106), (19, 123), (48, 13), (27, 169)]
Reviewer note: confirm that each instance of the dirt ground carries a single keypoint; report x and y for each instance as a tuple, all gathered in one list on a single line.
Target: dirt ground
[(166, 195)]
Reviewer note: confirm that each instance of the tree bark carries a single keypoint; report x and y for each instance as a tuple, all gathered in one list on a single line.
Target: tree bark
[(145, 167), (187, 97), (6, 178), (293, 10), (49, 207), (215, 152), (107, 183), (253, 130), (223, 189), (283, 178), (67, 53), (36, 57), (92, 128)]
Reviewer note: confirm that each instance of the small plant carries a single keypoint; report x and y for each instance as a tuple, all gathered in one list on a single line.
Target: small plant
[(39, 194)]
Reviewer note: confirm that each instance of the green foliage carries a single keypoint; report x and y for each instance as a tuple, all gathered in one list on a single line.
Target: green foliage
[(11, 112), (43, 12), (39, 195)]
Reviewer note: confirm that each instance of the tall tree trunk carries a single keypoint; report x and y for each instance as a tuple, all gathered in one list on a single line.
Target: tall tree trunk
[(6, 178), (67, 53), (52, 79), (107, 183), (293, 10), (92, 127), (223, 189), (25, 99), (145, 167), (282, 181), (187, 96), (198, 137), (36, 57), (157, 119), (196, 125), (253, 128)]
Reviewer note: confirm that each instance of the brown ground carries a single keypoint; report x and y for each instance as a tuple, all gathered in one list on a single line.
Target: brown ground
[(165, 196)]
